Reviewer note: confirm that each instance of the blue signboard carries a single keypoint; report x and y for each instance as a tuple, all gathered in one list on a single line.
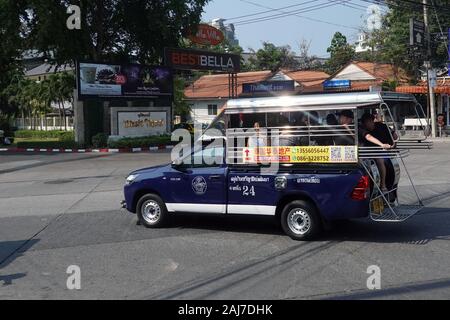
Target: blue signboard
[(337, 84), (268, 86)]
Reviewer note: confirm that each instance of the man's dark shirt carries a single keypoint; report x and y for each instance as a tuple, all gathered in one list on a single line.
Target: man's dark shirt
[(381, 132)]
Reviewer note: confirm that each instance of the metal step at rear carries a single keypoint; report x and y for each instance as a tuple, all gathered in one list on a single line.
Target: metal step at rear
[(414, 144), (398, 213)]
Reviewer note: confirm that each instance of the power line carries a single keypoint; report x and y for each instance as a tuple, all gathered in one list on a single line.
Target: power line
[(271, 10), (426, 5), (353, 6), (283, 13), (301, 17), (405, 4), (439, 23)]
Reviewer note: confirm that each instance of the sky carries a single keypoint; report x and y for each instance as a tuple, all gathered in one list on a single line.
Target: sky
[(344, 16)]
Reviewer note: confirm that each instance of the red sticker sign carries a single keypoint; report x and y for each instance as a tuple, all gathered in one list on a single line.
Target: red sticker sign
[(207, 35)]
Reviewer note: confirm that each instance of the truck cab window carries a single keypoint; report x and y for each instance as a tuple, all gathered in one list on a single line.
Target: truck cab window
[(207, 157)]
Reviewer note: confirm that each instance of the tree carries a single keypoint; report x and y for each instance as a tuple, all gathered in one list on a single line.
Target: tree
[(35, 98), (341, 53), (271, 57), (181, 107), (11, 46), (394, 34), (307, 61), (112, 30), (61, 86)]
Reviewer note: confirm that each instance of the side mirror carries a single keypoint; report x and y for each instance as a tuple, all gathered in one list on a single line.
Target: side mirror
[(177, 162), (179, 166)]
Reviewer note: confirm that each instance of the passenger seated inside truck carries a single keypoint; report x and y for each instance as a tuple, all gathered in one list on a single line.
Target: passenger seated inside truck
[(347, 134), (257, 140), (331, 124), (286, 136), (319, 132)]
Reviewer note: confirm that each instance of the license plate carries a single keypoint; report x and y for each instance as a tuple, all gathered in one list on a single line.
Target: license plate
[(378, 206)]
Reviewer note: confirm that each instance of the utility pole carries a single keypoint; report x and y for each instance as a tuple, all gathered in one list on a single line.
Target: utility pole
[(431, 98)]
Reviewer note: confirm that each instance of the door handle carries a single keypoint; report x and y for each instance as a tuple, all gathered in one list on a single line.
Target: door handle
[(215, 177)]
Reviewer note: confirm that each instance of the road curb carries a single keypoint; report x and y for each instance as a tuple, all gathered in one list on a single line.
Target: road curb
[(97, 150)]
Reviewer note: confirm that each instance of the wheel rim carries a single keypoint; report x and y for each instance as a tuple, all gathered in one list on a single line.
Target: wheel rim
[(299, 221), (151, 211)]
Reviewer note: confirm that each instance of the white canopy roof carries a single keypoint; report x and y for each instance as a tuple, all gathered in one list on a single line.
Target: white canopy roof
[(317, 102)]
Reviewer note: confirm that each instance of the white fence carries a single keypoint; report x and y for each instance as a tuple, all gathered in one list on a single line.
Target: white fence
[(44, 124)]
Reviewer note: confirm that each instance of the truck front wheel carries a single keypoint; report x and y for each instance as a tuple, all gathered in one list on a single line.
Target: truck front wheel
[(151, 211), (300, 220)]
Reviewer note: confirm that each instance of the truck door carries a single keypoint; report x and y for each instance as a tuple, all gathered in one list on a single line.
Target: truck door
[(250, 192), (199, 187)]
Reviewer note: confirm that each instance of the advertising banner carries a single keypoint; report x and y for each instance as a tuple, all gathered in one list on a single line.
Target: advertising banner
[(129, 80), (186, 59), (206, 35), (312, 154)]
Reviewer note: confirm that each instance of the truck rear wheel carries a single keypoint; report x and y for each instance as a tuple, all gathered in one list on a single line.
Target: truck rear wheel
[(151, 211), (300, 220)]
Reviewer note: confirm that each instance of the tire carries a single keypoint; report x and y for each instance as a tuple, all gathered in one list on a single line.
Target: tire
[(300, 220), (151, 211)]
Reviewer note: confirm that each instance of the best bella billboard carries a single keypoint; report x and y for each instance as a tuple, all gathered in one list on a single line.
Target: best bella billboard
[(187, 59)]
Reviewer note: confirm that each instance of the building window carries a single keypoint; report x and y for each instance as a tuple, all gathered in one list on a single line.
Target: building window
[(212, 109)]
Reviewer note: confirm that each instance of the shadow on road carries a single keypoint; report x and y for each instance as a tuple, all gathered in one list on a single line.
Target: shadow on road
[(9, 251), (8, 279), (408, 289), (419, 230), (244, 224), (52, 158)]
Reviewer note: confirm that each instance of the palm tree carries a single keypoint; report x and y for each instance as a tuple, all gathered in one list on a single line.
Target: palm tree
[(55, 87), (62, 86), (67, 86)]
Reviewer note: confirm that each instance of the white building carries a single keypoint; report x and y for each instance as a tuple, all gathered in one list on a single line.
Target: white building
[(208, 95), (361, 44), (228, 30)]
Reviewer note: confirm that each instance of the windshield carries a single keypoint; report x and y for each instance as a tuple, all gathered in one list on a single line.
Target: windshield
[(210, 155), (219, 124)]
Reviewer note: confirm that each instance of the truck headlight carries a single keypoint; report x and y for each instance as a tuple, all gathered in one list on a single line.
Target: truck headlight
[(131, 178)]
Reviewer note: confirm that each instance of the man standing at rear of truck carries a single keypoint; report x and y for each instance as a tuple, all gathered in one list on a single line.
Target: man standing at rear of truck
[(377, 134)]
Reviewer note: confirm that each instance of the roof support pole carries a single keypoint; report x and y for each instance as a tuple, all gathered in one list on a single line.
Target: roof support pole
[(431, 96)]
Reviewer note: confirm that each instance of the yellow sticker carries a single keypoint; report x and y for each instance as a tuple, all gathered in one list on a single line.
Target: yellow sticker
[(298, 154)]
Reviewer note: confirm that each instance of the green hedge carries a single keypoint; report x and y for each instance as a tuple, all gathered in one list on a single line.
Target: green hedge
[(100, 140), (140, 142), (65, 140), (36, 134), (46, 139)]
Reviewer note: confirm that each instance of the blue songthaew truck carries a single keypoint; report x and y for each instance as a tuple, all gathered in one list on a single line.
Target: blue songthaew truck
[(297, 158)]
